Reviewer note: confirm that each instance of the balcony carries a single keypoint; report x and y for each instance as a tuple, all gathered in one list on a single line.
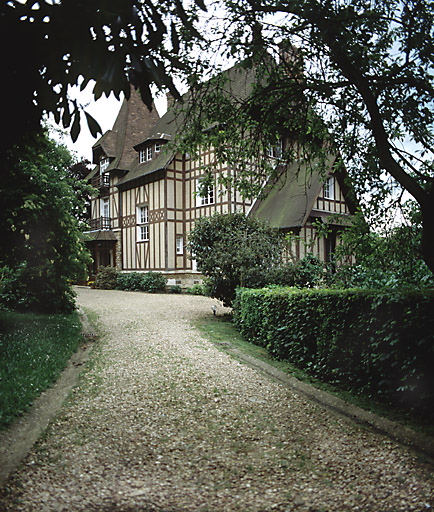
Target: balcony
[(101, 181), (101, 223)]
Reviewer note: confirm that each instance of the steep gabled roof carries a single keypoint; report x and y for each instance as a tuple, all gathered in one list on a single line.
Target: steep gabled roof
[(237, 82), (165, 129), (291, 199), (133, 124)]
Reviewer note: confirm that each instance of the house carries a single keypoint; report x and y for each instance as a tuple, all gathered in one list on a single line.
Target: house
[(148, 197)]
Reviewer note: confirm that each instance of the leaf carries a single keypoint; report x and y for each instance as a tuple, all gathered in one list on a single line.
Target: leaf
[(98, 90), (66, 117), (93, 125), (75, 130)]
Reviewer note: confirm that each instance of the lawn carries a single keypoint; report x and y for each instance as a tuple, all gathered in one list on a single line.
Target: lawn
[(34, 349)]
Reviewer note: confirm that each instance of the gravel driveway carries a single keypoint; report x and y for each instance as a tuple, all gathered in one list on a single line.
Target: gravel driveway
[(163, 421)]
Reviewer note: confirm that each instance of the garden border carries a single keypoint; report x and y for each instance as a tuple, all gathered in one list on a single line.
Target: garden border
[(17, 440)]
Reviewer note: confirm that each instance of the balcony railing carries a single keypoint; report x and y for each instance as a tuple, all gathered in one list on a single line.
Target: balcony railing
[(101, 181), (101, 223)]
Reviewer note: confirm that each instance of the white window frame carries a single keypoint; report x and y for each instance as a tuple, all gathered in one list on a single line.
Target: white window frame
[(179, 244), (329, 188), (275, 151), (105, 207), (143, 223), (158, 147), (149, 152), (142, 156), (204, 200), (103, 164)]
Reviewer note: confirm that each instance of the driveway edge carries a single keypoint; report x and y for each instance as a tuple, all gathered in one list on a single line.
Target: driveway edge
[(18, 439), (406, 436)]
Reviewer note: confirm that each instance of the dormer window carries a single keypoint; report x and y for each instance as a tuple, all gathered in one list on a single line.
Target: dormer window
[(149, 153), (145, 154), (104, 163), (329, 188)]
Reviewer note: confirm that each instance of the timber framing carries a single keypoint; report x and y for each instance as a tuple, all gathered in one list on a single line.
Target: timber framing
[(150, 194)]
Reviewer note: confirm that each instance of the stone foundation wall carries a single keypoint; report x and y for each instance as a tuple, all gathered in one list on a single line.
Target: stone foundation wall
[(118, 251), (186, 280)]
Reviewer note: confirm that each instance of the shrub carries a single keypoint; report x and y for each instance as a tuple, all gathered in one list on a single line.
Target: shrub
[(106, 278), (368, 340), (308, 272), (230, 247), (35, 289), (174, 289), (131, 281), (151, 282), (154, 282), (196, 289), (283, 274)]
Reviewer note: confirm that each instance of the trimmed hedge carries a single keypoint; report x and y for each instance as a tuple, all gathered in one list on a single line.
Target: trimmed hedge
[(108, 278), (370, 341), (151, 282)]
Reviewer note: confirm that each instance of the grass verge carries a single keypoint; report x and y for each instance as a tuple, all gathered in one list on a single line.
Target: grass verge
[(221, 331), (34, 349)]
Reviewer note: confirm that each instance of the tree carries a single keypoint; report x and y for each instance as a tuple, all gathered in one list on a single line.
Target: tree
[(391, 259), (42, 249), (356, 76), (78, 172), (52, 45), (229, 248)]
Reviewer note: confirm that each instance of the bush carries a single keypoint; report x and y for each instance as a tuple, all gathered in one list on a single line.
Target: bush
[(368, 340), (35, 289), (231, 247), (284, 274), (106, 278), (308, 272), (154, 282), (131, 281), (196, 289), (174, 289)]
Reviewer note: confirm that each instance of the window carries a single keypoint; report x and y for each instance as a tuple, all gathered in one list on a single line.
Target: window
[(105, 214), (158, 146), (149, 153), (145, 154), (207, 198), (142, 223), (179, 244), (275, 151), (104, 163), (329, 188), (105, 208)]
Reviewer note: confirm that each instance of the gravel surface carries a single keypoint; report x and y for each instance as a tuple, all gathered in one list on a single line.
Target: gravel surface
[(163, 421)]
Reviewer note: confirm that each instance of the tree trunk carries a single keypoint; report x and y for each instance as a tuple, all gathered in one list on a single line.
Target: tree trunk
[(420, 194)]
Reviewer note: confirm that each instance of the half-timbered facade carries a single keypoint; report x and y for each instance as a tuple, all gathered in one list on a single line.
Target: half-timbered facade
[(148, 199)]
